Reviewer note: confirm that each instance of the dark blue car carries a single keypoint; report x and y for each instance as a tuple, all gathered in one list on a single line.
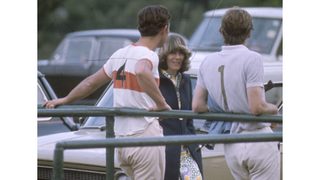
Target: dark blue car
[(81, 54)]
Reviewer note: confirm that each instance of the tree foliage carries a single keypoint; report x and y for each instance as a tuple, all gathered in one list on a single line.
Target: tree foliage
[(56, 18)]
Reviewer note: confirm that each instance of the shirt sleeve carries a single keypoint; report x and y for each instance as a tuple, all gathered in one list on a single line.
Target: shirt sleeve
[(200, 81), (107, 68), (255, 72)]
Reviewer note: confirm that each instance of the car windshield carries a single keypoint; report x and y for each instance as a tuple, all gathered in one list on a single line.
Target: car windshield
[(110, 45), (40, 95), (208, 38), (105, 101), (75, 49), (41, 98)]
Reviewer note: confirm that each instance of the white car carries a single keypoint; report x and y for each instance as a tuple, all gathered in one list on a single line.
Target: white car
[(266, 39)]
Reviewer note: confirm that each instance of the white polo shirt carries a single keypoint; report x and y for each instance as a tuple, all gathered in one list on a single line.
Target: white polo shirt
[(226, 75)]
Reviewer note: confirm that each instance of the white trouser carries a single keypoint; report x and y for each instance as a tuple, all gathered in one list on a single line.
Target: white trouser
[(254, 161), (144, 162)]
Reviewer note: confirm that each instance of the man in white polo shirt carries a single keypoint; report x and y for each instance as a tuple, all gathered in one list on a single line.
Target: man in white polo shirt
[(134, 70), (233, 78)]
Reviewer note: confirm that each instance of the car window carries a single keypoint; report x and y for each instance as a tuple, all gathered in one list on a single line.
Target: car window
[(41, 98), (58, 54), (105, 101), (40, 95), (79, 51), (207, 36), (193, 84), (110, 45), (264, 34)]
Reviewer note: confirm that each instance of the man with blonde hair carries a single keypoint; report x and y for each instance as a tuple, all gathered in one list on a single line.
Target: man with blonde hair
[(233, 78)]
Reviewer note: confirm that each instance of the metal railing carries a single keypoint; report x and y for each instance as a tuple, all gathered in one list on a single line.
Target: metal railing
[(110, 142)]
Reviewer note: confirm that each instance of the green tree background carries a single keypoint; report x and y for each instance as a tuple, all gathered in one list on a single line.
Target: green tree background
[(56, 18)]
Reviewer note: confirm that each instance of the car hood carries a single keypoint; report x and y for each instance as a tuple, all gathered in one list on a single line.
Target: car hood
[(92, 156), (197, 57)]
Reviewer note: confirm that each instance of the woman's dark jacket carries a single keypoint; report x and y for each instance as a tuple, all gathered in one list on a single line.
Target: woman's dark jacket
[(176, 126)]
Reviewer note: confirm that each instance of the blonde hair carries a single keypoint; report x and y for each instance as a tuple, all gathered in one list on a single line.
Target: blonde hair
[(174, 43), (236, 25)]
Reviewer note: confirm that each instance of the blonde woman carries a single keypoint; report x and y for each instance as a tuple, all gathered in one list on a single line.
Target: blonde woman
[(182, 162)]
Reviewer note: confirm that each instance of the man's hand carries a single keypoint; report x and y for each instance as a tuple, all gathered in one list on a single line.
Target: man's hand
[(274, 125), (53, 103), (157, 108)]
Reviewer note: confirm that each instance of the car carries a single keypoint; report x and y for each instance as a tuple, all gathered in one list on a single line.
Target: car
[(266, 39), (92, 162), (51, 125), (80, 54)]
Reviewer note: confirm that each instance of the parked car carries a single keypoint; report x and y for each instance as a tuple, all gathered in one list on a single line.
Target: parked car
[(51, 125), (266, 39), (79, 55), (91, 163)]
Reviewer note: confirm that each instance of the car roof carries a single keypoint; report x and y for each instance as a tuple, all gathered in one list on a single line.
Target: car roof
[(106, 32), (265, 12), (132, 34)]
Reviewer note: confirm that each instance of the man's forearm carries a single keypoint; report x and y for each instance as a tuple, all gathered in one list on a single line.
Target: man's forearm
[(257, 105), (148, 83), (87, 86), (268, 108), (81, 91), (199, 101)]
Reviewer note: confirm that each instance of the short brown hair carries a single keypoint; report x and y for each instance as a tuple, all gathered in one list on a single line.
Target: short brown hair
[(152, 18), (236, 25), (174, 43)]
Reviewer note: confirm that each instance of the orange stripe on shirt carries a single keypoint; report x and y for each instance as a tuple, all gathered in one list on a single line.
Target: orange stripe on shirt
[(130, 82)]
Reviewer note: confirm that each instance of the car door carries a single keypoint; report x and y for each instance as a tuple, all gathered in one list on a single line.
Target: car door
[(50, 125)]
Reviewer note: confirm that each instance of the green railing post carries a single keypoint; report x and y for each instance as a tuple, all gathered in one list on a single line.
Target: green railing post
[(57, 173), (110, 150)]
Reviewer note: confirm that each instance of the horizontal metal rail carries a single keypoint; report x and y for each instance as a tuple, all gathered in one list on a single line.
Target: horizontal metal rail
[(152, 141), (83, 111), (169, 140), (110, 142)]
